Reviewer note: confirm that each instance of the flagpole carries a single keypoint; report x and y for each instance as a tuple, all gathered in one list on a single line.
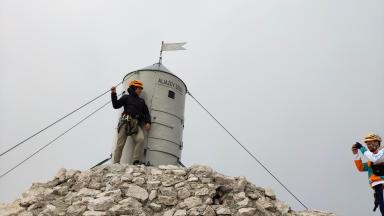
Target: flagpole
[(161, 52)]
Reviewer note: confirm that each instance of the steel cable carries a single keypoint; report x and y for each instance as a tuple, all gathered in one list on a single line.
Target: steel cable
[(62, 134), (258, 161), (55, 122), (102, 162)]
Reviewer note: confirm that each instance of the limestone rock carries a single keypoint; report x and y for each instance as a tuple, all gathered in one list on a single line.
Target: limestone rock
[(202, 192), (239, 196), (168, 201), (169, 167), (153, 184), (270, 193), (168, 191), (223, 180), (180, 212), (131, 202), (282, 207), (169, 212), (223, 211), (122, 210), (138, 181), (88, 192), (137, 193), (264, 203), (29, 200), (201, 171), (76, 209), (156, 172), (247, 211), (179, 172), (171, 180), (183, 193), (60, 175), (61, 190), (156, 207), (179, 185), (193, 202), (313, 213), (243, 203), (197, 211), (209, 211), (115, 194), (10, 209), (94, 213), (193, 179), (240, 184), (101, 204), (25, 214), (152, 195)]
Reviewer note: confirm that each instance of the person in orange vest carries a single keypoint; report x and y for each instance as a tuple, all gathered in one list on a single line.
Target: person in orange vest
[(133, 120), (374, 165)]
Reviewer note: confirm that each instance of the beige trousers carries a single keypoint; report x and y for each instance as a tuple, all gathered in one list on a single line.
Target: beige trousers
[(138, 144)]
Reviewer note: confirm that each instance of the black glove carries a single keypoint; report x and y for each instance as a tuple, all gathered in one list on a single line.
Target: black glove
[(358, 145)]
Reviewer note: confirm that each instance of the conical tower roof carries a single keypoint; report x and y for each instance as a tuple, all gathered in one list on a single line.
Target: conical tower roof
[(156, 67)]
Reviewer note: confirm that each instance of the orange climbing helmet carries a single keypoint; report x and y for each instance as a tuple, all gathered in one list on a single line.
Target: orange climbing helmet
[(137, 83), (372, 137)]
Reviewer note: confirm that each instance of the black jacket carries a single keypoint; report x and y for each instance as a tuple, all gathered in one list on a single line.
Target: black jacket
[(133, 105)]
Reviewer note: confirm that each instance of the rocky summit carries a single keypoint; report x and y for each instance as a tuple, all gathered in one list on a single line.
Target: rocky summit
[(139, 190)]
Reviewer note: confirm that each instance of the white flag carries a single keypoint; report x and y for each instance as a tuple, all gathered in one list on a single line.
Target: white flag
[(172, 46)]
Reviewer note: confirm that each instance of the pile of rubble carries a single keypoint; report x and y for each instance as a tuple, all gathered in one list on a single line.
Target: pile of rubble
[(139, 190)]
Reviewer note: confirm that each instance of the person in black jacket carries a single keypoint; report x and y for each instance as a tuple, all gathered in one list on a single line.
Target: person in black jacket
[(133, 120)]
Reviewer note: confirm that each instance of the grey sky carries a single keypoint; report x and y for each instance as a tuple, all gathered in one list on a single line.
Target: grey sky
[(296, 81)]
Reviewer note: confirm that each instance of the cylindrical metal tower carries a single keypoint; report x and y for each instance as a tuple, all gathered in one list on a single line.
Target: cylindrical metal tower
[(164, 94)]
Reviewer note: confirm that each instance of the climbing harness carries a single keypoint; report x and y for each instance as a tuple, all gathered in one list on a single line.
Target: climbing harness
[(130, 122)]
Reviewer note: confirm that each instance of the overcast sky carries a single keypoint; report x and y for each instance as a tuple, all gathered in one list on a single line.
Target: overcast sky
[(296, 81)]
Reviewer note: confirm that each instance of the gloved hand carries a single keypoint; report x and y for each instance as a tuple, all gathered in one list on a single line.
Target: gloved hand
[(113, 89), (354, 149), (358, 145)]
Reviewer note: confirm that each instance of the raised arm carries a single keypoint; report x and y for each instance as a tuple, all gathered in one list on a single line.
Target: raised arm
[(115, 102), (362, 167)]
